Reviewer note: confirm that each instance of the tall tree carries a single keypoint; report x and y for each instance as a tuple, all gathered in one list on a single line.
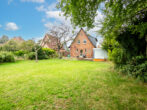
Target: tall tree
[(63, 34), (27, 45)]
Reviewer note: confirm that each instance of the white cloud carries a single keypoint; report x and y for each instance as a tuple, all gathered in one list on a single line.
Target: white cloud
[(43, 20), (41, 8), (52, 6), (54, 17), (51, 12), (9, 1), (58, 17), (49, 25), (35, 1), (0, 25), (44, 8), (11, 26)]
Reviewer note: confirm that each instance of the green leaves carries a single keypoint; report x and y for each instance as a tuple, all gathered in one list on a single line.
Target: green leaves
[(82, 12)]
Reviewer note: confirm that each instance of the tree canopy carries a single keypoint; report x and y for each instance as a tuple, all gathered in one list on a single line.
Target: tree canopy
[(117, 13)]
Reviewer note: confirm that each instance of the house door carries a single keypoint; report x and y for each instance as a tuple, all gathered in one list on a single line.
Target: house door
[(81, 53)]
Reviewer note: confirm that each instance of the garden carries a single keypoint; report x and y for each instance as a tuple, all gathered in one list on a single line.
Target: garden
[(58, 84)]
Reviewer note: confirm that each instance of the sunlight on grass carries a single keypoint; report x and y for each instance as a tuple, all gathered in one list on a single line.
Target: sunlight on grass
[(68, 85)]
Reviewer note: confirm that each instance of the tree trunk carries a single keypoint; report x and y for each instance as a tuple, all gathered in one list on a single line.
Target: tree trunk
[(36, 56), (146, 45), (59, 54)]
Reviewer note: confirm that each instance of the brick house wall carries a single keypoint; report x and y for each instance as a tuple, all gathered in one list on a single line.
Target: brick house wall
[(51, 42), (81, 46)]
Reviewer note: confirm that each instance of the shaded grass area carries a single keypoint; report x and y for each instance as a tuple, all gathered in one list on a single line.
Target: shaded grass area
[(68, 85)]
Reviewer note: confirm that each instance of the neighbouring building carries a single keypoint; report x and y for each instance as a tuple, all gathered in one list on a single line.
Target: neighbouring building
[(18, 39), (83, 44), (50, 41)]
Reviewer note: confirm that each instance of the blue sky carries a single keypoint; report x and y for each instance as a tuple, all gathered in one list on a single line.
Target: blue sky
[(30, 18)]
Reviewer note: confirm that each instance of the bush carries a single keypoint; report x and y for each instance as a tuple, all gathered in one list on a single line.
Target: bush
[(6, 57), (31, 55), (48, 52), (20, 53), (1, 58), (118, 56), (136, 67), (43, 53)]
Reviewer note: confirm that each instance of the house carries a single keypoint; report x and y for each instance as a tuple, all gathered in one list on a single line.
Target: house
[(82, 46), (18, 39), (50, 41)]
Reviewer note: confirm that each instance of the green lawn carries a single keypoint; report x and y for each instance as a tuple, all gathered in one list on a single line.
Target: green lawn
[(68, 85)]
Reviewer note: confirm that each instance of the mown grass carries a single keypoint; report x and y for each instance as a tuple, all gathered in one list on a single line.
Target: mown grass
[(68, 85)]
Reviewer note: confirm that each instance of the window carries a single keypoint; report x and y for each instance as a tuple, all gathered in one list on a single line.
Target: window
[(78, 42), (77, 50), (84, 41), (85, 50)]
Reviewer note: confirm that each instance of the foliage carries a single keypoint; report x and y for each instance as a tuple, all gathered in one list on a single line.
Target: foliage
[(49, 52), (4, 39), (43, 53), (110, 44), (79, 10), (10, 46), (117, 12), (13, 46), (20, 53), (31, 55), (6, 57), (26, 49), (118, 56), (136, 67), (27, 45)]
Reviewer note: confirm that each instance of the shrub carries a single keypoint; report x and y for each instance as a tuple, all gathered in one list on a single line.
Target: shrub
[(136, 67), (31, 55), (43, 53), (48, 52), (20, 53), (6, 57), (1, 58), (118, 56)]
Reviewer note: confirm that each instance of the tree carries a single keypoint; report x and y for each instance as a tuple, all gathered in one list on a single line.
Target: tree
[(63, 34), (37, 46), (10, 46), (83, 12), (27, 45), (4, 39)]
